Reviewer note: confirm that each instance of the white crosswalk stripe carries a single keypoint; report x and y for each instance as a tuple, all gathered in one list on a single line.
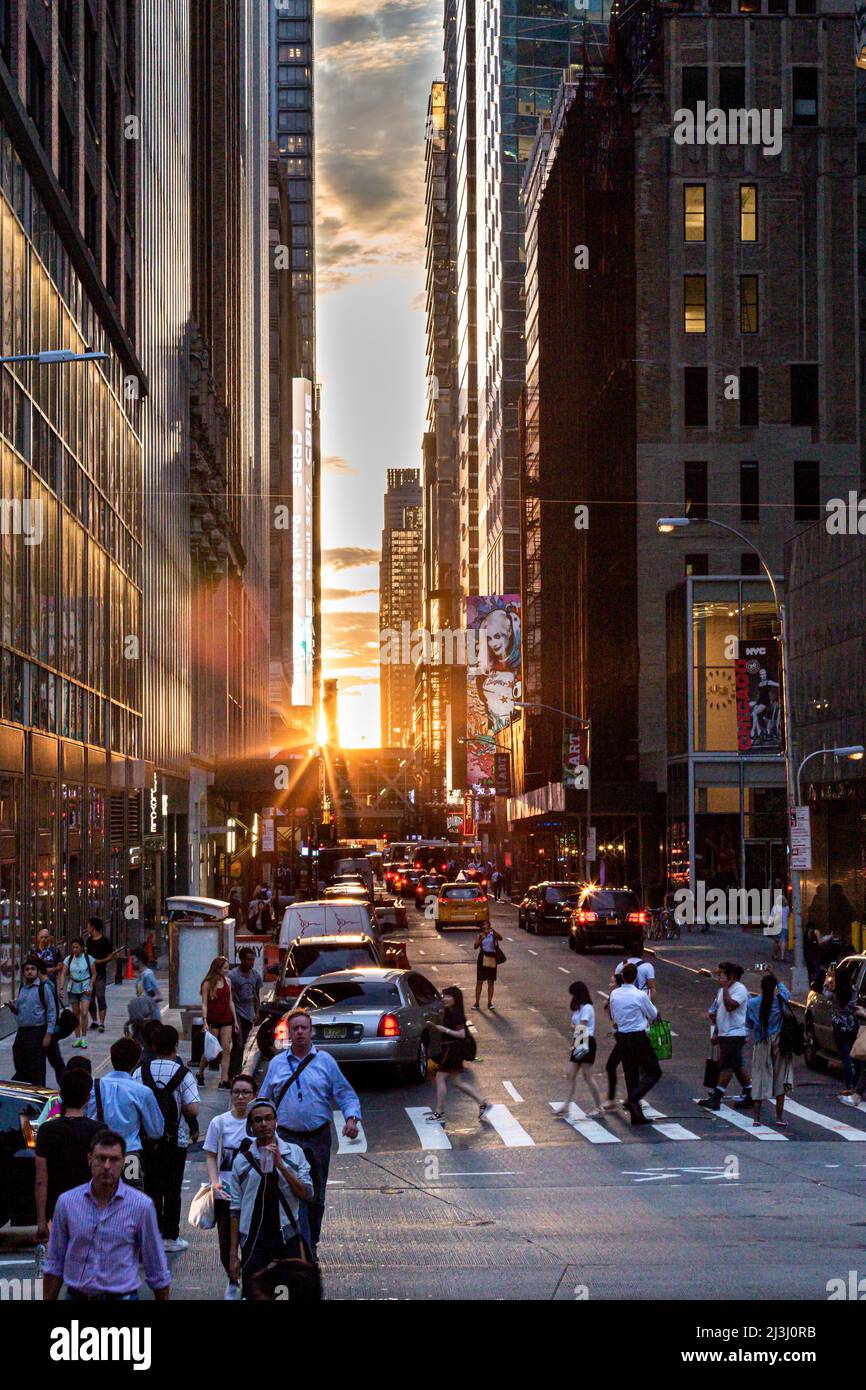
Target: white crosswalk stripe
[(349, 1146), (513, 1092), (839, 1127), (670, 1129), (430, 1133), (590, 1129), (510, 1130), (744, 1122)]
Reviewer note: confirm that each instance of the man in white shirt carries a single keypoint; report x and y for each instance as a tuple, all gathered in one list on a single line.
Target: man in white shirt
[(727, 1014), (632, 1012), (646, 975)]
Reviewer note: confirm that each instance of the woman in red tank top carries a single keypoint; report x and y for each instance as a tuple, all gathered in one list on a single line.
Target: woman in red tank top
[(218, 1015)]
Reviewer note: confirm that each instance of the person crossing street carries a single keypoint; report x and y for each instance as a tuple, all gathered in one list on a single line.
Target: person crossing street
[(728, 1015), (632, 1011), (36, 1011)]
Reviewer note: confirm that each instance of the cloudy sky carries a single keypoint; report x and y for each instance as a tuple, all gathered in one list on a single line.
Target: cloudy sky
[(374, 66)]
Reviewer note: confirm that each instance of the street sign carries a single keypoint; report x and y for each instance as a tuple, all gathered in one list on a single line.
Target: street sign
[(502, 773), (801, 837), (267, 836), (591, 843)]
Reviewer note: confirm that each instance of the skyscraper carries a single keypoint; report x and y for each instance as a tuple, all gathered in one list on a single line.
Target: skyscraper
[(400, 600)]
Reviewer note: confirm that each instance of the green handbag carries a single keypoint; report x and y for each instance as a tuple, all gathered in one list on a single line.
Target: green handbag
[(660, 1039)]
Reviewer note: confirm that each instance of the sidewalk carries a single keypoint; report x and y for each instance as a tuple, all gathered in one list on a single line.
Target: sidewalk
[(697, 950)]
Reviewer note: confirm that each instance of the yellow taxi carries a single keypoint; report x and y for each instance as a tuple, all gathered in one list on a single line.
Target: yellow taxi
[(461, 905)]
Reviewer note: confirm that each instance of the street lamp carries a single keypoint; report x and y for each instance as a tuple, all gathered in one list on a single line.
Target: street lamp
[(56, 355), (586, 724), (667, 524)]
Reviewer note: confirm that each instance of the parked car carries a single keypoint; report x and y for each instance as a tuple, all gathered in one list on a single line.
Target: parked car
[(461, 905), (819, 1043), (23, 1108), (607, 917), (327, 917), (427, 886), (380, 1017), (547, 908), (390, 912), (394, 872)]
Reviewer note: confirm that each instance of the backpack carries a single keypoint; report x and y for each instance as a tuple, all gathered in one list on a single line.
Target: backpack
[(470, 1045), (166, 1100)]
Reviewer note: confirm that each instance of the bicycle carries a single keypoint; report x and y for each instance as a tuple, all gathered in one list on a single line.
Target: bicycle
[(663, 925)]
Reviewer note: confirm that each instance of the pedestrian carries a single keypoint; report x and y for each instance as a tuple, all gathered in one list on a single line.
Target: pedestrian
[(99, 948), (139, 1012), (507, 880), (496, 884), (583, 1048), (454, 1032), (487, 945), (812, 952), (126, 1107), (62, 1146), (172, 1084), (77, 976), (845, 1019), (728, 1017), (646, 975), (225, 1134), (219, 1016), (49, 954), (269, 1177), (772, 1070), (149, 1033), (246, 984), (305, 1086), (147, 985), (100, 1232), (236, 907), (777, 922), (52, 1053), (36, 1011), (632, 1011)]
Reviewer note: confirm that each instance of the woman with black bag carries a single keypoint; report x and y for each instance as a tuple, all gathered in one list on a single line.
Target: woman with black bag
[(490, 955), (456, 1045), (772, 1061)]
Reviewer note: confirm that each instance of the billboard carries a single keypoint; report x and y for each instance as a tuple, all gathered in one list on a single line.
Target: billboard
[(575, 759), (493, 680), (758, 697), (302, 541)]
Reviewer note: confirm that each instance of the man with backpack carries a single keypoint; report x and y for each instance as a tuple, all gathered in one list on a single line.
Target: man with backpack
[(36, 1010), (173, 1086), (126, 1107)]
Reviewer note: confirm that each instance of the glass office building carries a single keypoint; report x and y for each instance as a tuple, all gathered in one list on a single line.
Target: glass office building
[(293, 129)]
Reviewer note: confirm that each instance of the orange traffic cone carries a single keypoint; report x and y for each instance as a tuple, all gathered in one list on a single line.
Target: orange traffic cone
[(130, 973)]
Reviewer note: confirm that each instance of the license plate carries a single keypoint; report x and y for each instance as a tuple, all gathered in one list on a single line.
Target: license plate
[(334, 1032)]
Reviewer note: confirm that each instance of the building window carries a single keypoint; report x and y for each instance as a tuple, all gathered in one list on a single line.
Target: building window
[(748, 212), (697, 564), (749, 393), (694, 212), (694, 87), (695, 396), (749, 562), (67, 158), (804, 94), (750, 502), (804, 394), (35, 86), (91, 217), (748, 303), (5, 32), (732, 88), (777, 6), (91, 47), (112, 130), (804, 7), (695, 303), (807, 491), (695, 486)]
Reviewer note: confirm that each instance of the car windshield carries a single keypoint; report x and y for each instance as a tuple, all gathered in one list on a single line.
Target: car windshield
[(563, 893), (618, 901), (321, 960), (468, 893), (372, 993)]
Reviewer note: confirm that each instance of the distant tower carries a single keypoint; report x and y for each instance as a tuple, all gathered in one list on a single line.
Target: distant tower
[(329, 707)]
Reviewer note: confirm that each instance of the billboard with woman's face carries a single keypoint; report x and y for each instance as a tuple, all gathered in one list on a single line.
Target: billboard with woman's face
[(493, 681)]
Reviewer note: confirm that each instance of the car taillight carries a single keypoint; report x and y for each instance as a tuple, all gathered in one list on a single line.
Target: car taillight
[(389, 1027), (587, 916), (443, 900), (29, 1132), (639, 917)]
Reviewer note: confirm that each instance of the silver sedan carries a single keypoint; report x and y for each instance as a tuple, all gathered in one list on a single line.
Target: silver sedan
[(374, 1015)]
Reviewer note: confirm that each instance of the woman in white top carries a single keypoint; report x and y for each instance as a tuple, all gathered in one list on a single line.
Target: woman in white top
[(582, 1015), (77, 975), (225, 1134)]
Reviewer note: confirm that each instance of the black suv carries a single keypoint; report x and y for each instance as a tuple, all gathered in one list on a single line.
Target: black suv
[(22, 1108), (607, 917), (547, 908)]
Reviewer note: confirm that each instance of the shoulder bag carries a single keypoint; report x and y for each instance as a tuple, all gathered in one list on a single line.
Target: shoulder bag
[(791, 1034), (299, 1274)]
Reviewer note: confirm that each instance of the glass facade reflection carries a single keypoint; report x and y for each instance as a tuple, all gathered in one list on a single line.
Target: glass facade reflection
[(293, 128)]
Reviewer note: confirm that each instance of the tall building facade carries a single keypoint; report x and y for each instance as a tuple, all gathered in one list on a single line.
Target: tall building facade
[(71, 707), (400, 602), (521, 52)]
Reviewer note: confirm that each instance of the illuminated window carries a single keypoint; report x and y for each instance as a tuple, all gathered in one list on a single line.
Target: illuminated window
[(748, 303), (748, 212), (694, 212), (695, 303)]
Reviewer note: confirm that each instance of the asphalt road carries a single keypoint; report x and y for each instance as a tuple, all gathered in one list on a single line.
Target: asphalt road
[(694, 1207)]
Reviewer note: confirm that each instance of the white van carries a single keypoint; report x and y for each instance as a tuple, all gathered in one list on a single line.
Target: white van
[(336, 917)]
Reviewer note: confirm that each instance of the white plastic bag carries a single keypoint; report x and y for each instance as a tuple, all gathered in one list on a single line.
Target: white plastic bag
[(212, 1047), (202, 1211)]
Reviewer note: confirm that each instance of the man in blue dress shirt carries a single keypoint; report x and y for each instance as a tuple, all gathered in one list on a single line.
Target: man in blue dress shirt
[(305, 1085)]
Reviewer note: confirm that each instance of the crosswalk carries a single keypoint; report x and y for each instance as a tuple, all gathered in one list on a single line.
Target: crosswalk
[(413, 1126)]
